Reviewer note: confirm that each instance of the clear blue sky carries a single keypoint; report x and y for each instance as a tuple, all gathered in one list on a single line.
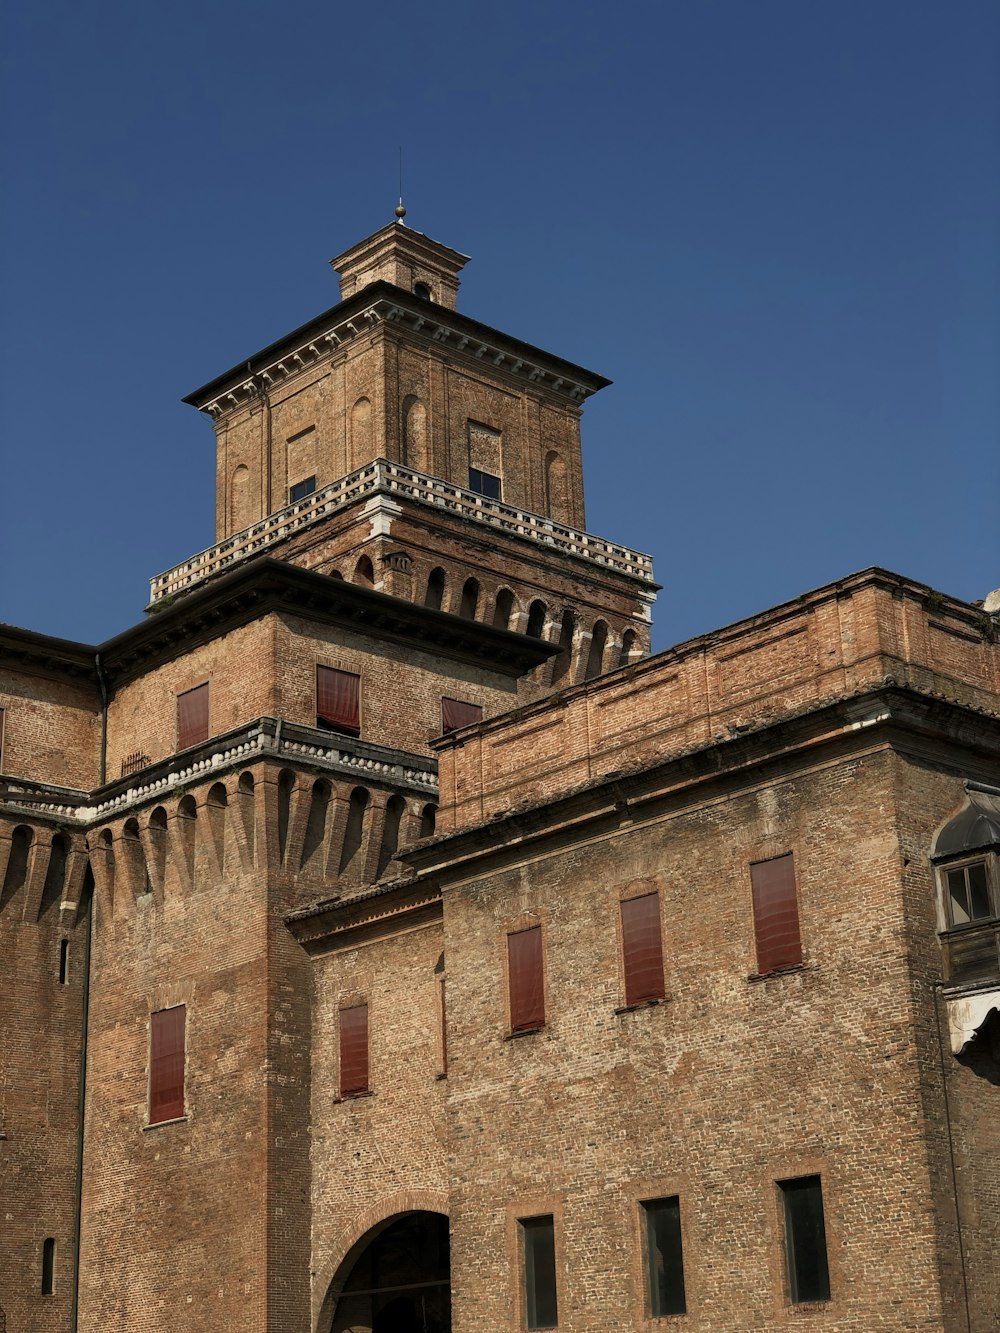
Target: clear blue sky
[(774, 224)]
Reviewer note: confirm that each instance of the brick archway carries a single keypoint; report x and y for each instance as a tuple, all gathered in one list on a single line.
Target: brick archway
[(356, 1234)]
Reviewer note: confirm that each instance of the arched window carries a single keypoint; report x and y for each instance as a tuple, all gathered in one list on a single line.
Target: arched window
[(415, 434), (536, 620), (397, 1279), (16, 874), (628, 647), (565, 658), (434, 596), (470, 599), (556, 489), (966, 858), (354, 832), (48, 1265), (422, 290), (503, 608), (390, 833), (427, 820), (364, 572), (595, 658), (240, 506), (361, 432), (56, 873)]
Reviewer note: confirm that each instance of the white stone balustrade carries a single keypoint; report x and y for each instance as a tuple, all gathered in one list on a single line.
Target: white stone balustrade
[(393, 479)]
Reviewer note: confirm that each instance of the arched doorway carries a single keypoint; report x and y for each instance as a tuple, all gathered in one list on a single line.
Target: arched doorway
[(397, 1279)]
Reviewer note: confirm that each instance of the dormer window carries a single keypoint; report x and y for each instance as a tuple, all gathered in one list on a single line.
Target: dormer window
[(422, 290), (966, 858), (968, 896)]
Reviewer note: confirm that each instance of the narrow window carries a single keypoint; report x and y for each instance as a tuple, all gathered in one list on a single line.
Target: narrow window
[(455, 713), (63, 962), (775, 913), (338, 701), (536, 620), (1, 738), (422, 290), (48, 1266), (301, 489), (526, 980), (969, 893), (642, 950), (664, 1256), (435, 589), (538, 1239), (192, 717), (444, 1025), (470, 599), (484, 483), (805, 1239), (166, 1064), (354, 1050)]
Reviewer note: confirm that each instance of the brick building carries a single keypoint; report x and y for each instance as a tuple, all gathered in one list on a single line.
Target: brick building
[(388, 942)]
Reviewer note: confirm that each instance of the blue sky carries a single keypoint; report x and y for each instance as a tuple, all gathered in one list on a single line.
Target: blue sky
[(775, 224)]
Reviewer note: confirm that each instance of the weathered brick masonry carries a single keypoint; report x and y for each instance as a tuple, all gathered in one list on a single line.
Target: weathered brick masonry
[(363, 1131)]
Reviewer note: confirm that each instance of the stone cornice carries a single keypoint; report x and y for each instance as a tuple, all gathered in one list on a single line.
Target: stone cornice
[(887, 714), (383, 303)]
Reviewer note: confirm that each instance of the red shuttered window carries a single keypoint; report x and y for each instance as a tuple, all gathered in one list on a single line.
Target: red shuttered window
[(455, 714), (192, 717), (642, 950), (354, 1050), (166, 1064), (775, 913), (338, 700), (526, 980)]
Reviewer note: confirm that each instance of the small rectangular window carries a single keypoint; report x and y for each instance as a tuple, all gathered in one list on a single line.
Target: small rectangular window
[(48, 1266), (484, 483), (664, 1256), (338, 700), (775, 913), (354, 1050), (642, 949), (538, 1240), (526, 981), (456, 713), (166, 1064), (969, 893), (63, 962), (301, 489), (805, 1239), (192, 717)]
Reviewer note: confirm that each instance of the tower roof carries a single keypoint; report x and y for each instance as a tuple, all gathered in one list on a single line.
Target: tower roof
[(407, 259)]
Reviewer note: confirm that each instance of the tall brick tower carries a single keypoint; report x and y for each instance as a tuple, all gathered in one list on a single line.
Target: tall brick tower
[(400, 551)]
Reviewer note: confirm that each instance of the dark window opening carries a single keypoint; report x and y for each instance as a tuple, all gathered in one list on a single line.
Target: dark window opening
[(428, 818), (538, 1238), (536, 620), (470, 599), (301, 489), (435, 589), (503, 608), (63, 962), (166, 1064), (484, 483), (775, 913), (642, 949), (192, 717), (456, 713), (664, 1257), (526, 980), (338, 701), (805, 1239), (354, 1050), (399, 1282), (48, 1266), (422, 290)]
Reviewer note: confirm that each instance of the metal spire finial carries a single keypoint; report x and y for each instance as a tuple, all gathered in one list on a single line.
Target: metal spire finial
[(400, 209)]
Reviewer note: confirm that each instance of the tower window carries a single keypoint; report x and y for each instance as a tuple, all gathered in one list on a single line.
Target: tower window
[(456, 713), (664, 1256), (354, 1050), (422, 290), (166, 1064), (538, 1242), (775, 913), (63, 962), (526, 980), (48, 1266), (642, 949), (338, 700), (805, 1239), (484, 483), (192, 717), (301, 489)]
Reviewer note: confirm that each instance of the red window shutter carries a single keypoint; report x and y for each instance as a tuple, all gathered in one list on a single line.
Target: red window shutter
[(526, 980), (455, 714), (354, 1050), (775, 913), (338, 699), (166, 1065), (642, 949), (192, 717)]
